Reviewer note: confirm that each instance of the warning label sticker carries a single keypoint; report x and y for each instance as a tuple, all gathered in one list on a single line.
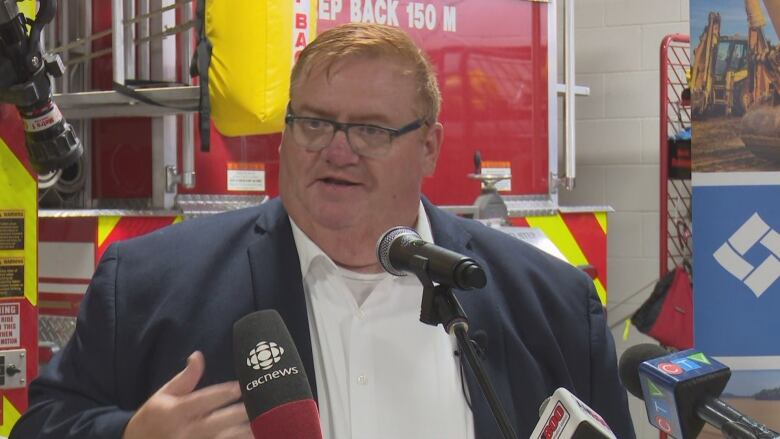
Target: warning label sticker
[(246, 177), (502, 171), (9, 325), (11, 276), (11, 229)]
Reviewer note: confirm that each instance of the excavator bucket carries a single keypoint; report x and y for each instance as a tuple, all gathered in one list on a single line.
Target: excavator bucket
[(760, 132)]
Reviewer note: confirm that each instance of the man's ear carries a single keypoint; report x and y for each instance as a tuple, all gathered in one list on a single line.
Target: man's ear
[(432, 147)]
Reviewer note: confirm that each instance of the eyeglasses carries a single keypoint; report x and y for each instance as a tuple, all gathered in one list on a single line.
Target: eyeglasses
[(366, 140)]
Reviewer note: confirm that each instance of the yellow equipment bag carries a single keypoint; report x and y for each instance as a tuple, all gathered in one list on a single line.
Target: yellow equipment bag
[(245, 53)]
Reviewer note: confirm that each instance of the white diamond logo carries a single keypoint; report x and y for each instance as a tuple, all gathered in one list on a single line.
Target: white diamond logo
[(731, 254)]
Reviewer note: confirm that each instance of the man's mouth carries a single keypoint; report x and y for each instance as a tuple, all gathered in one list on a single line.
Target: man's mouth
[(338, 181)]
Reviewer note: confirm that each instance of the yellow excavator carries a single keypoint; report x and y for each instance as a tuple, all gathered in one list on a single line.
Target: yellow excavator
[(742, 76), (720, 70), (760, 128)]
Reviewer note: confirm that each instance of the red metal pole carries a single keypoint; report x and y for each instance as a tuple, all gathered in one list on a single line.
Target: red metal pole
[(664, 156)]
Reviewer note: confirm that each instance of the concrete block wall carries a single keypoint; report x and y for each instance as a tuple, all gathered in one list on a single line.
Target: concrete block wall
[(617, 56)]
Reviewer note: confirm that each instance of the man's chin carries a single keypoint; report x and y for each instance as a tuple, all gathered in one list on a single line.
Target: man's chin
[(336, 219)]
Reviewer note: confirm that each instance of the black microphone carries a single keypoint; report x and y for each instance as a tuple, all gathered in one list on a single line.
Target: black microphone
[(401, 250), (273, 383), (681, 392)]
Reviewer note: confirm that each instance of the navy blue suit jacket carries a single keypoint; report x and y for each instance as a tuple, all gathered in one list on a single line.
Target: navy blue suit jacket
[(155, 299)]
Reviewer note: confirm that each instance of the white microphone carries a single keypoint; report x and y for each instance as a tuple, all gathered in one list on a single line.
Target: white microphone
[(564, 416)]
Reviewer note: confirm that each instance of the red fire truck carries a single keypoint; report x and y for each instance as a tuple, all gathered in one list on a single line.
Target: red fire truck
[(144, 166)]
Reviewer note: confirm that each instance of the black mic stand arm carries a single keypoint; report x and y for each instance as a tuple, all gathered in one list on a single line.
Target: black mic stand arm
[(732, 423), (439, 305)]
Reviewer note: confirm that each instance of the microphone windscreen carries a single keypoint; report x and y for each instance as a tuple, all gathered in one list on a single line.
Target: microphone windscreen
[(274, 385), (628, 367), (386, 241)]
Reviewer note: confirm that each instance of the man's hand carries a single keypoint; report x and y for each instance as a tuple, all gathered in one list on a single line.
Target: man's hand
[(178, 411)]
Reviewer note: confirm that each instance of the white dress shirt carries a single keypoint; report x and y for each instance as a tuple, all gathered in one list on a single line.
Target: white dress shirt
[(380, 372)]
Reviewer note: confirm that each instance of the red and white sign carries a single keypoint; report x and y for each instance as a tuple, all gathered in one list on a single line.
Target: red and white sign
[(9, 325), (301, 20)]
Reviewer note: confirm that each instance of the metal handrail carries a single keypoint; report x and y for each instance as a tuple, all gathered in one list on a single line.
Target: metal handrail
[(570, 146)]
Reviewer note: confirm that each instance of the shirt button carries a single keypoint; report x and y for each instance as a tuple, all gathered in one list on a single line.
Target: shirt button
[(360, 314), (362, 380)]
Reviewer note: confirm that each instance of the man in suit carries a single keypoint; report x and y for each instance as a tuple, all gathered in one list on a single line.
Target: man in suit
[(361, 134)]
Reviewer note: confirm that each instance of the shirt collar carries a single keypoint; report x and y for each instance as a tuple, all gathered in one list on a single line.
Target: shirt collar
[(308, 251)]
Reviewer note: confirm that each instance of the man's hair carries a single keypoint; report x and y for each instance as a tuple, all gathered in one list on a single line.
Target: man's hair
[(371, 40)]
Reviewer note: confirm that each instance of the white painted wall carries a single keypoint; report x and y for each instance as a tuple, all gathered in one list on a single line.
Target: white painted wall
[(617, 56)]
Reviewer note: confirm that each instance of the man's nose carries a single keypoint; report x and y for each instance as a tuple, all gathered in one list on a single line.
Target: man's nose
[(339, 152)]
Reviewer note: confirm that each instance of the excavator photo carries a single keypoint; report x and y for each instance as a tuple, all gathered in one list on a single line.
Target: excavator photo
[(741, 76), (720, 71)]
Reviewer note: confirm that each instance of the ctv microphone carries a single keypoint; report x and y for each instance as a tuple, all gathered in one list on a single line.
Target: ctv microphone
[(401, 247), (564, 416), (681, 392), (273, 383)]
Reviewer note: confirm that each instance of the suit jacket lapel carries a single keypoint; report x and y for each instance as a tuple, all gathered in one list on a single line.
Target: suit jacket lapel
[(277, 282), (482, 318)]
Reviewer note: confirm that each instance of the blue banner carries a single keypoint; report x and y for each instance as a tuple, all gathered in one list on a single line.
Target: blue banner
[(736, 274)]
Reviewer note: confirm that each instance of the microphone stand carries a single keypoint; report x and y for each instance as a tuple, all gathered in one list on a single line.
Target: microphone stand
[(439, 305), (732, 423)]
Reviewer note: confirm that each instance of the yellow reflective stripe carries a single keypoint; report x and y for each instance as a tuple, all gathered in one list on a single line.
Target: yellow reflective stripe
[(106, 225), (20, 192), (601, 291), (601, 217), (627, 329), (555, 229), (10, 416), (27, 7)]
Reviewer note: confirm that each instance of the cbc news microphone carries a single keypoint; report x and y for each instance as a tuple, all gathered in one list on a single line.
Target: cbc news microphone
[(400, 247), (564, 416), (273, 383), (681, 392)]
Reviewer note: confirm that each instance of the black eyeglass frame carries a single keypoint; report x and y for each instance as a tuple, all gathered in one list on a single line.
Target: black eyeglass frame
[(344, 126)]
